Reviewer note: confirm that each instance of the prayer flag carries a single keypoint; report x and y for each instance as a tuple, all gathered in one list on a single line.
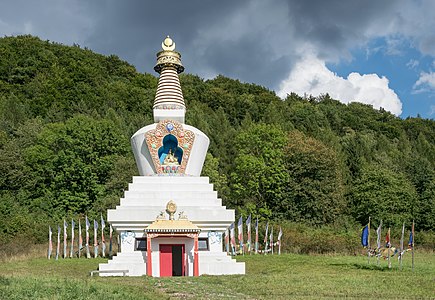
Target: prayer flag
[(412, 236), (271, 239), (50, 242), (110, 239), (378, 236), (80, 238), (227, 240), (88, 225), (240, 232), (71, 252), (402, 237), (95, 239), (388, 245), (248, 226), (400, 257), (387, 239), (411, 240), (103, 241), (233, 239), (365, 236), (65, 235), (279, 240), (265, 237), (58, 242), (256, 236)]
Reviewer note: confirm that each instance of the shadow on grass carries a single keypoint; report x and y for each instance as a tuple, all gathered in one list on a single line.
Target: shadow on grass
[(362, 266)]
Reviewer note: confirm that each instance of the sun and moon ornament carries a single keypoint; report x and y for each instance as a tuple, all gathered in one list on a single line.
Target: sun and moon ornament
[(168, 57)]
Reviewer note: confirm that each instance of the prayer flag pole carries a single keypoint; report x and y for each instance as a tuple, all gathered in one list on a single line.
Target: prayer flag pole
[(65, 235), (71, 252), (389, 246), (279, 240), (271, 240), (95, 239), (227, 241), (80, 238), (368, 243), (412, 251), (110, 240), (88, 254), (240, 235), (58, 242), (401, 246), (378, 242), (103, 241), (50, 242), (256, 237), (248, 226), (233, 239), (265, 238)]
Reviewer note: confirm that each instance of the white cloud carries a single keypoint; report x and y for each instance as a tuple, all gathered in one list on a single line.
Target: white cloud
[(311, 76), (425, 83)]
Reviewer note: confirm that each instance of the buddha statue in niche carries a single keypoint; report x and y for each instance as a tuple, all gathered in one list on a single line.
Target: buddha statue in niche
[(170, 159)]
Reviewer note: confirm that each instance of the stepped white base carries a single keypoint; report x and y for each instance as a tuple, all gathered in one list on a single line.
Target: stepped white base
[(145, 199), (219, 263), (134, 262), (209, 264)]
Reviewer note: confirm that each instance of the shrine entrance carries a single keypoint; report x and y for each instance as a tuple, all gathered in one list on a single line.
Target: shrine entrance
[(172, 260)]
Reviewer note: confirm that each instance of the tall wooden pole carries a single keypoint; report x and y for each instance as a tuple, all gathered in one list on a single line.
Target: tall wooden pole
[(389, 246), (378, 242), (401, 245), (413, 239), (368, 243)]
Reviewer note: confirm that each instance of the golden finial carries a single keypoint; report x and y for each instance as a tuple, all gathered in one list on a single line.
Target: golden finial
[(168, 57), (168, 44)]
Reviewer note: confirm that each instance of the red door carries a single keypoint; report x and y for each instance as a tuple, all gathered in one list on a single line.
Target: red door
[(172, 260), (165, 260)]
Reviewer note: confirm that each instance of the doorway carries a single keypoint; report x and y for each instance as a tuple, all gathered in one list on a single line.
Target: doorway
[(172, 260)]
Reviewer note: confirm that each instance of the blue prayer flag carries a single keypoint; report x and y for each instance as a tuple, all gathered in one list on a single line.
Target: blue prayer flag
[(411, 239), (365, 236)]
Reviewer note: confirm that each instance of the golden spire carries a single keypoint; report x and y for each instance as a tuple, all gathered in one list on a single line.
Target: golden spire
[(169, 100), (168, 58)]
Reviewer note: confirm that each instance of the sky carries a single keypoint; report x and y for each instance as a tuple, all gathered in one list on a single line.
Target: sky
[(377, 52)]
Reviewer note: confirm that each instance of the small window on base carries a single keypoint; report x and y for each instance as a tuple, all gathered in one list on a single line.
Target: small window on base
[(203, 244), (141, 244)]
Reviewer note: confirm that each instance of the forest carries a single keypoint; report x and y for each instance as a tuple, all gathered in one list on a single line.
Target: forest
[(67, 115)]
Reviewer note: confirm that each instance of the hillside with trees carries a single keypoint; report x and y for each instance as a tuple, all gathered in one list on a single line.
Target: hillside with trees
[(67, 114)]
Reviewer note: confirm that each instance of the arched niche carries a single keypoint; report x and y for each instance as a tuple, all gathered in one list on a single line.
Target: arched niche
[(170, 145)]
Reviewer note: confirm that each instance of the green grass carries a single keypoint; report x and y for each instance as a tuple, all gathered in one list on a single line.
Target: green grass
[(287, 276)]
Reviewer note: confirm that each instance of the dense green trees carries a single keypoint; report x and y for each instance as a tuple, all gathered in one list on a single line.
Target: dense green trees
[(66, 116)]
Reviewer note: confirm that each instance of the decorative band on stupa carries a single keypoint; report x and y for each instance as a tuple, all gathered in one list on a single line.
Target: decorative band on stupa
[(169, 94)]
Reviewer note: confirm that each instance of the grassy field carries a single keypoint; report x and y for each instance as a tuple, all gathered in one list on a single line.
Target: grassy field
[(288, 276)]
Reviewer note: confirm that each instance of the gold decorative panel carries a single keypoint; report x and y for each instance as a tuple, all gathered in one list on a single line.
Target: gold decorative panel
[(154, 140)]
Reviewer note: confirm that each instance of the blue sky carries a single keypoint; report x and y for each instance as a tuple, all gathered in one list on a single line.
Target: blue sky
[(403, 66), (377, 52)]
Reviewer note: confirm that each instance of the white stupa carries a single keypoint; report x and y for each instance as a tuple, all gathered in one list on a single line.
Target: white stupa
[(170, 220)]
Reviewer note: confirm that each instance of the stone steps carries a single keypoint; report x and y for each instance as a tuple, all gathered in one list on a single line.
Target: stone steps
[(161, 202), (134, 262), (168, 180)]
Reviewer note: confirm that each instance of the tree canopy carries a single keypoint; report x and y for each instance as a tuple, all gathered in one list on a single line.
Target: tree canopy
[(67, 114)]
